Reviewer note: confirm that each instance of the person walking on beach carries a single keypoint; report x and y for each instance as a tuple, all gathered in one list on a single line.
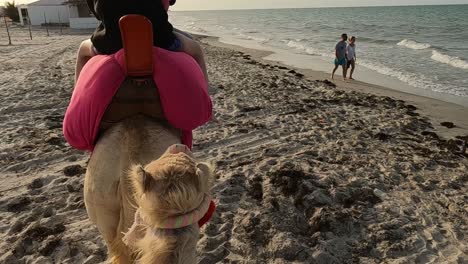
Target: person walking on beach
[(340, 56), (351, 56)]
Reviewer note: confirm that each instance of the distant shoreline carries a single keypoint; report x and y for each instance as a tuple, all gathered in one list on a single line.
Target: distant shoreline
[(410, 54), (438, 111), (324, 7)]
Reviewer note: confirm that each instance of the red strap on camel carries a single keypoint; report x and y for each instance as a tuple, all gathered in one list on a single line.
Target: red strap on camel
[(137, 38), (207, 217)]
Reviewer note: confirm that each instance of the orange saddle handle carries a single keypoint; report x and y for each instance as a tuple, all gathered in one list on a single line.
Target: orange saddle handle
[(137, 39)]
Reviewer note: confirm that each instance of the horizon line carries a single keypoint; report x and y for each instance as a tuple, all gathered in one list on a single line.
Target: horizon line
[(276, 8)]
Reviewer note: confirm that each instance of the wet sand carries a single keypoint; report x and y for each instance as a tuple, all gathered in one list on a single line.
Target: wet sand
[(306, 172)]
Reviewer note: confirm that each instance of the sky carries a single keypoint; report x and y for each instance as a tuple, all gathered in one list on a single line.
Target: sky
[(259, 4)]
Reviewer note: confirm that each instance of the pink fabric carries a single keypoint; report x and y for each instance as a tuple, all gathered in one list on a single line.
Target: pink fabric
[(180, 81)]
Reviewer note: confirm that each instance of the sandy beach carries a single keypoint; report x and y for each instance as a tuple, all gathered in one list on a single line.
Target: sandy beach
[(308, 171)]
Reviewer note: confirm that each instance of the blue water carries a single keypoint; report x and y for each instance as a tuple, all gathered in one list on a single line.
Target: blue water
[(423, 46)]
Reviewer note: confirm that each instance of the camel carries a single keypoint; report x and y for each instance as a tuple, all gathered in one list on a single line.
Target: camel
[(143, 189), (137, 180)]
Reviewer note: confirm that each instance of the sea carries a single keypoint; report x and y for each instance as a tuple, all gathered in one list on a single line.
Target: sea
[(417, 49)]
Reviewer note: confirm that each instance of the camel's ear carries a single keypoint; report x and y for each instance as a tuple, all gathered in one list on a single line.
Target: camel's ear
[(205, 176), (145, 179)]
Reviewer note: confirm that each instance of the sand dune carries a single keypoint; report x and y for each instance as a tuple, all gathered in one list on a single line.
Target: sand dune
[(306, 173)]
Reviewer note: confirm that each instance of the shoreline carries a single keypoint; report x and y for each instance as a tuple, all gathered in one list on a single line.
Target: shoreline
[(438, 111)]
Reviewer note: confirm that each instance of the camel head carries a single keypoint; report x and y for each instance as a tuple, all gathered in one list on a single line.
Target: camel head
[(172, 194)]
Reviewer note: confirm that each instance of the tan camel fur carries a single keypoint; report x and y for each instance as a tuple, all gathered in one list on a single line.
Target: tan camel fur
[(136, 167)]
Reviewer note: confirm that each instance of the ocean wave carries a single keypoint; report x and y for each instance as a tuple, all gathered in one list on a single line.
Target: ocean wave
[(219, 27), (248, 37), (411, 44), (373, 40), (449, 60), (196, 30), (307, 49), (191, 27), (413, 79), (296, 45)]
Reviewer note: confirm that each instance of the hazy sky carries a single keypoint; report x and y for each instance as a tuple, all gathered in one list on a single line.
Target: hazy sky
[(235, 4), (254, 4)]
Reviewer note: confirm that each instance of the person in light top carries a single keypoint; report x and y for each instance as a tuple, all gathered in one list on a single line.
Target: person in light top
[(351, 56)]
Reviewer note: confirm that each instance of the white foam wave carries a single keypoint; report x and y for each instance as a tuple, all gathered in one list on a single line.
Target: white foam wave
[(191, 27), (220, 27), (415, 80), (449, 60), (411, 44), (248, 37), (307, 49), (296, 45)]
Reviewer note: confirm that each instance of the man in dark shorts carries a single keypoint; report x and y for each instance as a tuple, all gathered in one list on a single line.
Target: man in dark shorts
[(340, 56)]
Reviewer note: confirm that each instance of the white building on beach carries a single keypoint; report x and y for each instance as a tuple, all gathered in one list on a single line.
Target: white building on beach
[(80, 16), (48, 11), (73, 12)]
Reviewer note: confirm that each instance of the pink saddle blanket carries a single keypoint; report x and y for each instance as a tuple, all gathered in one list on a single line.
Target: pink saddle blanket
[(179, 80)]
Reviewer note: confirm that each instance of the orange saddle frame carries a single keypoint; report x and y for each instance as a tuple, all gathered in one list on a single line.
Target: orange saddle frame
[(138, 94)]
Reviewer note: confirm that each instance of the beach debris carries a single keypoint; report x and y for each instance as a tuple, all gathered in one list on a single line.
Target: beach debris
[(448, 124), (53, 121), (40, 232), (54, 140), (411, 108), (49, 245), (72, 188), (430, 134), (287, 179), (251, 109), (380, 194), (255, 188), (73, 170), (327, 82), (18, 204), (382, 136), (457, 146), (411, 113), (464, 138), (48, 212), (16, 227), (299, 75), (318, 198), (36, 184)]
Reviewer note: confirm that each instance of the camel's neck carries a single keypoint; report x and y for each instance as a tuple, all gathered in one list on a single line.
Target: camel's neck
[(173, 247)]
